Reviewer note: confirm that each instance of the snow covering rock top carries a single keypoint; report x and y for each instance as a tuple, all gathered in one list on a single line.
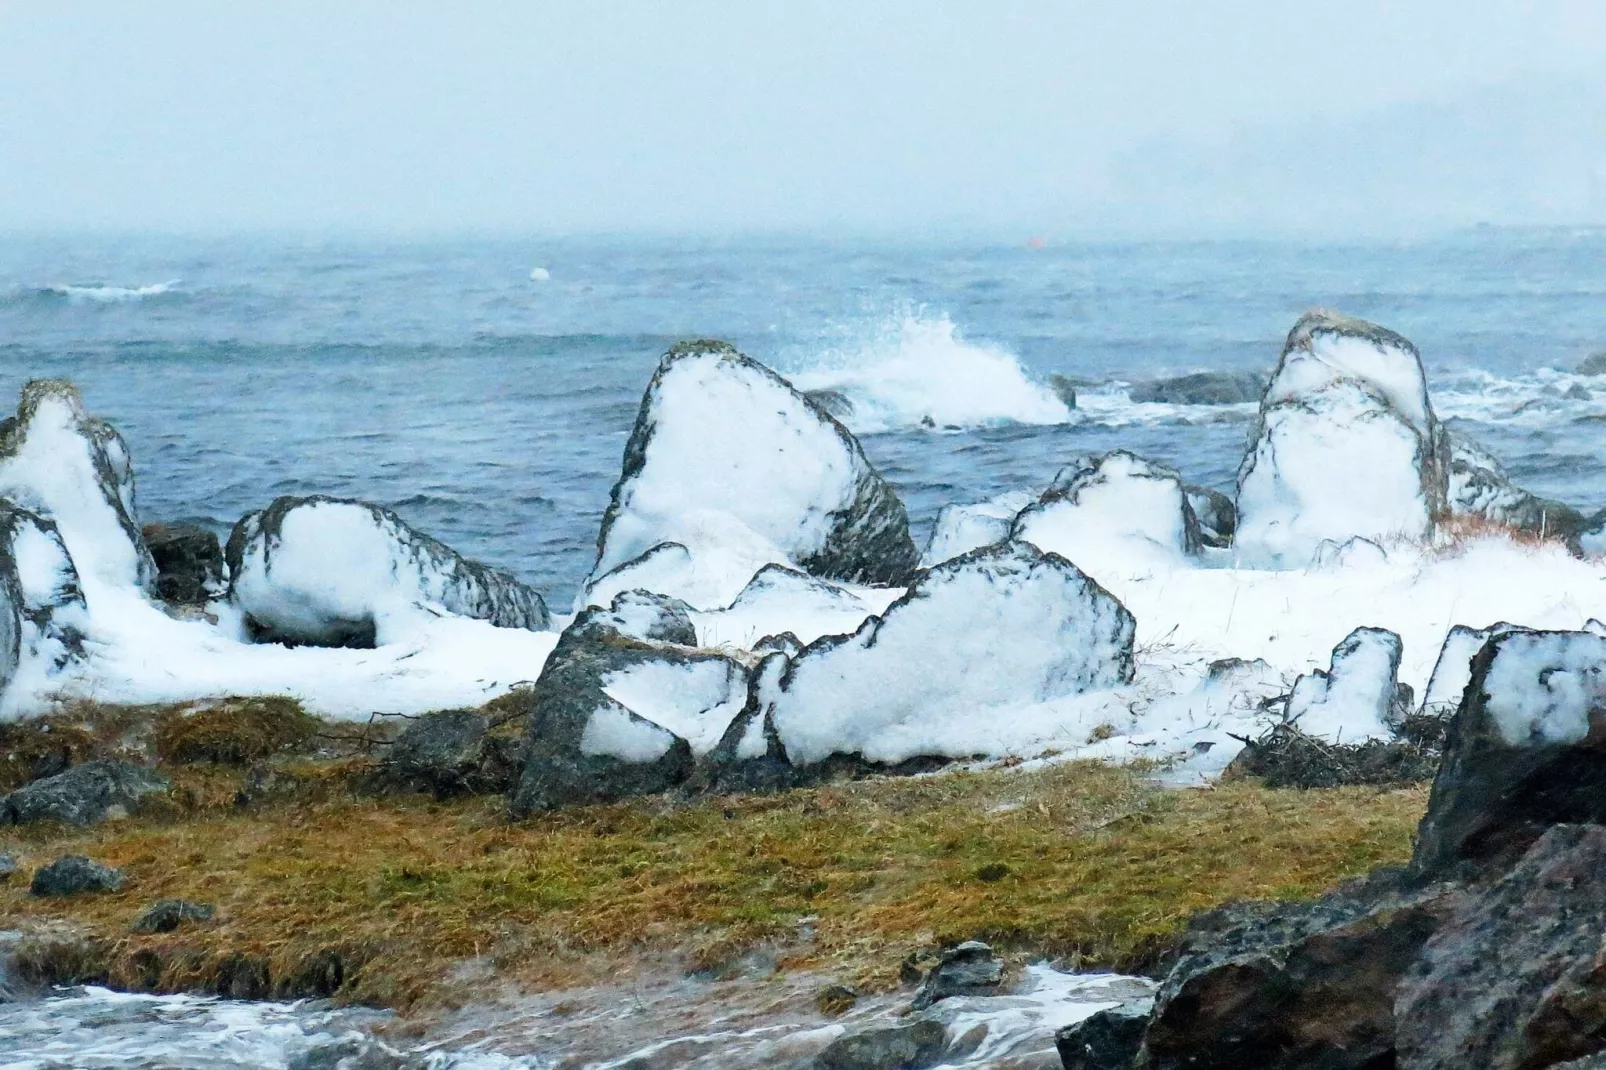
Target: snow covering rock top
[(1346, 444), (1479, 487), (962, 528), (334, 572), (719, 433), (1117, 500), (975, 638), (1545, 687), (58, 461), (1358, 697)]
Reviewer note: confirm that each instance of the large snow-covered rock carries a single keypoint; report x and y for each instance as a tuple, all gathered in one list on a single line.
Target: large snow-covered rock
[(1524, 751), (962, 528), (1116, 503), (43, 616), (326, 571), (61, 463), (780, 600), (723, 443), (1346, 445), (1480, 488), (1359, 696), (975, 638), (1453, 669), (613, 715)]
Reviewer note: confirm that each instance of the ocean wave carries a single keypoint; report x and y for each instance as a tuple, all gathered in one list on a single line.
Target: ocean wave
[(94, 293), (915, 370), (1542, 397)]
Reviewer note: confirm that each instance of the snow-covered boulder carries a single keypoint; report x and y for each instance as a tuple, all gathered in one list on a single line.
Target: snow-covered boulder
[(1359, 696), (1345, 445), (1118, 504), (972, 641), (781, 600), (613, 716), (43, 616), (59, 462), (326, 571), (1480, 488), (718, 433), (1453, 669), (652, 618), (1523, 752), (963, 528)]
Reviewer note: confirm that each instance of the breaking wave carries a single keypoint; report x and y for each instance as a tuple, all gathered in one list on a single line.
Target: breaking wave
[(915, 370), (94, 293)]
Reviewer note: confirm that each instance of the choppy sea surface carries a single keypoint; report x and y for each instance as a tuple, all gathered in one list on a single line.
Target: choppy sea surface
[(488, 402)]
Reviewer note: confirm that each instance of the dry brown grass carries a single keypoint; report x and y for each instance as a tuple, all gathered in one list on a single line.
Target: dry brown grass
[(1455, 533), (1079, 860)]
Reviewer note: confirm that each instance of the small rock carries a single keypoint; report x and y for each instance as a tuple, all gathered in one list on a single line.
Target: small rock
[(971, 969), (1109, 1040), (835, 999), (348, 1053), (902, 1047), (189, 562), (448, 754), (83, 795), (8, 866), (75, 875), (165, 915), (1064, 388)]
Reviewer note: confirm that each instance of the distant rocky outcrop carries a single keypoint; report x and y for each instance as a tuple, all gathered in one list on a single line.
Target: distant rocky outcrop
[(322, 571), (1202, 388), (1479, 487), (1346, 445), (1594, 364)]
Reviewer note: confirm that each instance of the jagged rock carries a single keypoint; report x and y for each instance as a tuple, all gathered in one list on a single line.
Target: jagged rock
[(73, 469), (1280, 986), (83, 795), (1203, 388), (613, 716), (655, 618), (1217, 517), (1108, 1040), (1359, 696), (998, 628), (166, 915), (43, 615), (324, 571), (1117, 499), (900, 1047), (189, 562), (1479, 487), (451, 753), (1064, 388), (1524, 751), (1345, 445), (727, 458), (74, 875), (971, 969), (1514, 978), (962, 528), (1594, 364)]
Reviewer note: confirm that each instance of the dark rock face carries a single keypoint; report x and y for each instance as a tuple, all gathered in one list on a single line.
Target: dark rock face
[(299, 607), (1217, 516), (582, 745), (901, 1047), (1203, 388), (450, 753), (189, 562), (83, 795), (1479, 487), (971, 969), (1525, 750), (1515, 978), (1064, 388), (1594, 364), (655, 618), (1109, 1040), (1293, 985), (746, 466), (75, 875), (166, 915), (834, 402)]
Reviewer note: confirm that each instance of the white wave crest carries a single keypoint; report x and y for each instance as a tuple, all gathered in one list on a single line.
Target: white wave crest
[(108, 294), (915, 370)]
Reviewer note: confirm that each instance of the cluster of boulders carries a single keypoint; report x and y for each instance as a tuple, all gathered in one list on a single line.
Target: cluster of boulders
[(1484, 952)]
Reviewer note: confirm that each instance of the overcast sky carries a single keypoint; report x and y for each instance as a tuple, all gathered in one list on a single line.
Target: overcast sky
[(694, 115)]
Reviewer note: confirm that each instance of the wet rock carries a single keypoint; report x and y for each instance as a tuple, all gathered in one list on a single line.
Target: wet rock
[(1203, 388), (166, 915), (189, 562), (1217, 516), (1526, 750), (1108, 1040), (971, 969), (901, 1047), (242, 976), (834, 402), (74, 875), (317, 976), (448, 754), (586, 741), (1515, 978), (83, 795), (1293, 985), (1480, 488), (835, 999), (1345, 445), (348, 1053), (1064, 388), (726, 456), (322, 571)]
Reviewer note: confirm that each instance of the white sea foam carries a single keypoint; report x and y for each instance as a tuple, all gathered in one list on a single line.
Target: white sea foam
[(109, 294), (915, 369)]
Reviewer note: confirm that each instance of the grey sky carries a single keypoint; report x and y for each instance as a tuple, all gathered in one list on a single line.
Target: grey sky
[(700, 115)]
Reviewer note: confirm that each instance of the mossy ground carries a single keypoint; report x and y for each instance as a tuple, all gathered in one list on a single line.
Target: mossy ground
[(1078, 860)]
